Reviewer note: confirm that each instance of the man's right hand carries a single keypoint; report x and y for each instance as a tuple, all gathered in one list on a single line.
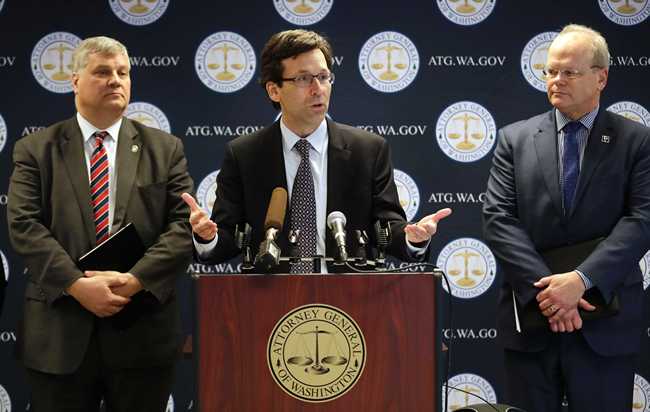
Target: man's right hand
[(95, 294), (204, 228)]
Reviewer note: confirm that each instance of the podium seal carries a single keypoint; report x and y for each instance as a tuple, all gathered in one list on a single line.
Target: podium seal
[(316, 353)]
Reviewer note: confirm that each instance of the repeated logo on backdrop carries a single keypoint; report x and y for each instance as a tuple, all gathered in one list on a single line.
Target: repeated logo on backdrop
[(533, 59), (465, 131), (138, 12), (641, 394), (148, 115), (625, 13), (303, 12), (468, 12), (389, 62), (52, 61), (225, 62), (206, 193), (632, 111), (471, 384), (408, 192), (3, 133), (5, 265), (5, 401), (469, 265)]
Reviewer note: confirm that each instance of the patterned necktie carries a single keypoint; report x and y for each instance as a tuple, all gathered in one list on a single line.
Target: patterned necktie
[(570, 164), (99, 187), (303, 210)]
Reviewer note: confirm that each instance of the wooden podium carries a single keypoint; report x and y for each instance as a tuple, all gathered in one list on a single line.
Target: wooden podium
[(245, 324)]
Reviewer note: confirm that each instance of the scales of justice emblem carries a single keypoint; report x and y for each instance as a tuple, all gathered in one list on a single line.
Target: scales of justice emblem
[(316, 353)]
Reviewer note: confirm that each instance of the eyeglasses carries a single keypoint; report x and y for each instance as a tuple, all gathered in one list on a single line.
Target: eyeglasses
[(305, 80), (550, 73)]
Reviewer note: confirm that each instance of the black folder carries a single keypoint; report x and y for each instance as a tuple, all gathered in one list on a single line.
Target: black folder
[(119, 252), (566, 259)]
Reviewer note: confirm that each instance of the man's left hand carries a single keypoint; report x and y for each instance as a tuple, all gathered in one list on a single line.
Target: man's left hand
[(426, 227), (561, 293), (127, 290)]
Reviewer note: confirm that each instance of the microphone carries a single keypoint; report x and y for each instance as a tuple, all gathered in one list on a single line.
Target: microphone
[(268, 255), (336, 222)]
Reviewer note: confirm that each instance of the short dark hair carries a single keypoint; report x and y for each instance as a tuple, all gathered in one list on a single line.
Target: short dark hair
[(286, 44)]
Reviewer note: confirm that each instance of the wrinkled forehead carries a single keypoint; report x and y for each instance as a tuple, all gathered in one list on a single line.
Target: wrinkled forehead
[(570, 48)]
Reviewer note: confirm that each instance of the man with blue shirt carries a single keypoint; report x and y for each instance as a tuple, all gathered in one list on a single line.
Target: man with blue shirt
[(570, 189), (325, 166)]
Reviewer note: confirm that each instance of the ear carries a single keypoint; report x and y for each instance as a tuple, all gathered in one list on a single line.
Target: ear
[(602, 79), (273, 90), (75, 82)]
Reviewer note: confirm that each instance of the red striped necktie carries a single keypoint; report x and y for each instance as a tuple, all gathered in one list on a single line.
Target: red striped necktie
[(99, 187)]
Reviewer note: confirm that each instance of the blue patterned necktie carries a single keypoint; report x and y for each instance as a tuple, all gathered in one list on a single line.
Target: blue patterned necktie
[(303, 210), (570, 163)]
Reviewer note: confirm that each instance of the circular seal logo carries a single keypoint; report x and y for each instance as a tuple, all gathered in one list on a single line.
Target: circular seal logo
[(5, 265), (632, 111), (408, 192), (303, 13), (467, 13), (148, 115), (206, 194), (138, 12), (316, 353), (389, 62), (471, 383), (3, 133), (626, 13), (225, 62), (533, 59), (52, 61), (466, 131), (644, 264), (641, 394), (470, 267), (5, 401)]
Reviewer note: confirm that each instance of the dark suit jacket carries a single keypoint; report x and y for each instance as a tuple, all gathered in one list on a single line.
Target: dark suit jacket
[(51, 226), (359, 178), (523, 216)]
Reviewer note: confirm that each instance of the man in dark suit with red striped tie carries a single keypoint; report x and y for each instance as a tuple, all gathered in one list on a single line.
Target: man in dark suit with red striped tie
[(74, 183)]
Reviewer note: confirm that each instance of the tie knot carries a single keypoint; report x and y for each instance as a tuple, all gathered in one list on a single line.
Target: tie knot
[(302, 146), (572, 127), (99, 137)]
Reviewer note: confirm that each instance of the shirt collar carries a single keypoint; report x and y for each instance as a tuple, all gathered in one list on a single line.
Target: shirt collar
[(88, 130), (587, 120), (317, 139)]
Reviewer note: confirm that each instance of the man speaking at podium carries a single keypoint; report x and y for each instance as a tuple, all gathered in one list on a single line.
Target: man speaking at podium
[(73, 184), (323, 165)]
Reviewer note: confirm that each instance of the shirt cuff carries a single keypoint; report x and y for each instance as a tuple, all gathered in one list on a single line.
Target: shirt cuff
[(203, 250), (415, 251), (588, 283)]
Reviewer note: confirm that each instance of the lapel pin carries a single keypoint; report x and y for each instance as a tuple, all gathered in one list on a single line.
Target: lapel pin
[(604, 138), (134, 148)]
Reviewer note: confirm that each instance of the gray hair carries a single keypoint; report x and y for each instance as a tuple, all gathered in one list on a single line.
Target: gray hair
[(99, 44), (597, 42)]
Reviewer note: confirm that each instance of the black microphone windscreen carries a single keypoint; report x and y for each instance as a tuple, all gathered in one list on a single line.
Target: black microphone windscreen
[(277, 209)]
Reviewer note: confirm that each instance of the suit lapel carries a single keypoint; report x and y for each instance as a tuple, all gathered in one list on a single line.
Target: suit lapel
[(546, 147), (129, 147), (338, 168), (600, 141), (271, 163), (72, 151)]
